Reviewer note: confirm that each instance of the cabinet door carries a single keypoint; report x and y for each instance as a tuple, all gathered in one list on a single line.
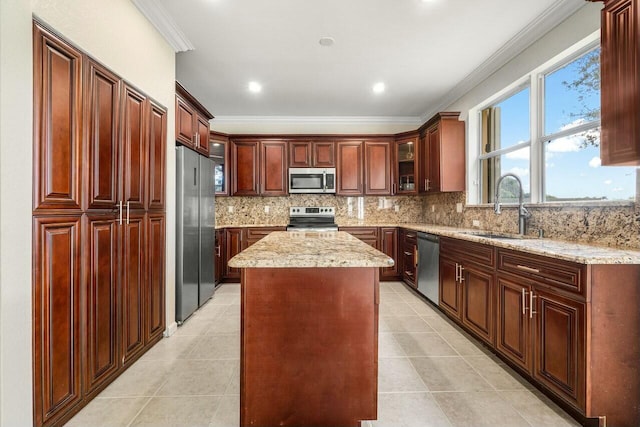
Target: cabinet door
[(219, 153), (406, 166), (57, 123), (101, 123), (620, 91), (245, 168), (450, 291), (56, 316), (134, 149), (185, 117), (513, 337), (478, 296), (273, 169), (377, 168), (133, 274), (433, 162), (324, 155), (349, 168), (234, 244), (202, 140), (101, 360), (389, 245), (299, 154), (157, 143), (219, 256), (154, 319), (409, 264), (560, 346)]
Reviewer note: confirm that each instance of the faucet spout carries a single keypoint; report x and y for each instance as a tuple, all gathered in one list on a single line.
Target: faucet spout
[(523, 213)]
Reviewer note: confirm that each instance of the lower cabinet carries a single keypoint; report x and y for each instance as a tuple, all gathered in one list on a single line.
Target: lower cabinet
[(234, 244), (389, 246), (154, 317), (408, 249), (219, 257), (450, 289)]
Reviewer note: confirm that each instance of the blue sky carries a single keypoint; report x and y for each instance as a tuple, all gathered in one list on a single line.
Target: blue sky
[(572, 171)]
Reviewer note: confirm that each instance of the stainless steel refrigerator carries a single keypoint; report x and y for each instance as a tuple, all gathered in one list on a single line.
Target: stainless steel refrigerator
[(195, 231)]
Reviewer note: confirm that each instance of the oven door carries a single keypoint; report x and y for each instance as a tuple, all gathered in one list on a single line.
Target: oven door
[(312, 180)]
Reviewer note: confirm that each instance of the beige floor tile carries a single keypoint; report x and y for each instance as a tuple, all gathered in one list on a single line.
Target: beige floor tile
[(210, 311), (391, 298), (538, 409), (195, 325), (225, 299), (398, 375), (385, 288), (478, 409), (388, 346), (395, 309), (232, 309), (449, 374), (233, 388), (501, 377), (228, 413), (424, 344), (143, 378), (217, 347), (409, 410), (407, 324), (225, 324), (411, 298), (108, 412), (228, 288), (424, 309), (171, 348), (382, 324), (192, 411), (441, 324), (398, 286), (463, 345), (198, 377)]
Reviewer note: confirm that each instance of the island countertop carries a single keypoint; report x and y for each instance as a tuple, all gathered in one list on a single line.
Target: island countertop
[(289, 249)]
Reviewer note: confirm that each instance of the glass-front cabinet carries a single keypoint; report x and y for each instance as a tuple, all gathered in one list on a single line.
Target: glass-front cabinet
[(219, 153), (406, 165)]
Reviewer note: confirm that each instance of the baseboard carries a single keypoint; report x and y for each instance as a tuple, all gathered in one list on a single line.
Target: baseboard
[(171, 329)]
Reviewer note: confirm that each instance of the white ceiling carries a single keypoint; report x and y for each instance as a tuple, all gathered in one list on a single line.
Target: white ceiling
[(424, 52)]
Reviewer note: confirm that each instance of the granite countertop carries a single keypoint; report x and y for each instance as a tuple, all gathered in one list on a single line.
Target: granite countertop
[(288, 249)]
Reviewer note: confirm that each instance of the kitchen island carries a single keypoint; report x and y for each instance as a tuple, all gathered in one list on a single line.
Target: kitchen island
[(309, 330)]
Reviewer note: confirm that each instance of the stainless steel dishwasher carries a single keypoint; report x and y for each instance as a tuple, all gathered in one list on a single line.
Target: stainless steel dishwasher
[(428, 266)]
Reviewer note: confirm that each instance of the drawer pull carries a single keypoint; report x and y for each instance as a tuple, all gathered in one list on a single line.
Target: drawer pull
[(408, 273), (529, 269), (531, 312), (524, 301), (407, 253), (411, 236)]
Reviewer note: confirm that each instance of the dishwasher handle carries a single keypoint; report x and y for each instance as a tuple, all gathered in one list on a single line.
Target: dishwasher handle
[(429, 237)]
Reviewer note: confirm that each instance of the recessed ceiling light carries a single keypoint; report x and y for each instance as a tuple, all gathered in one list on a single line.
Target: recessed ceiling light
[(255, 87), (378, 87), (326, 41)]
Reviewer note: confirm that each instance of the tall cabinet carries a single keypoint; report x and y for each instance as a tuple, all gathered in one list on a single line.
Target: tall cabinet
[(98, 226)]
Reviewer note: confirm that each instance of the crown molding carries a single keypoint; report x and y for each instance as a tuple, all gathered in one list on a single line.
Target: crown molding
[(321, 119), (545, 22), (166, 26)]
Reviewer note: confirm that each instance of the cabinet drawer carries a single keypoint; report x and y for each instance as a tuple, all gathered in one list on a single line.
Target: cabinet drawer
[(468, 251), (362, 233), (410, 236), (561, 274), (255, 234)]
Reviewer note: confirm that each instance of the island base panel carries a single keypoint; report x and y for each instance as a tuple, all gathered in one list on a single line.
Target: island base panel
[(309, 351)]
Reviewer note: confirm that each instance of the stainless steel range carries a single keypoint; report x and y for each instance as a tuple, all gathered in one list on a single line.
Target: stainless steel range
[(322, 218)]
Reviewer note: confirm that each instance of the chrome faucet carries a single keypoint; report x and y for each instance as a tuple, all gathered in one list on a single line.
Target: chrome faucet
[(523, 213)]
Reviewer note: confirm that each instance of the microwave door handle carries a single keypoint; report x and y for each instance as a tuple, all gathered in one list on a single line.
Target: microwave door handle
[(324, 181)]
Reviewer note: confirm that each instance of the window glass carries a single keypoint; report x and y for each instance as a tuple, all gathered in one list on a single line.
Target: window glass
[(516, 162), (509, 121)]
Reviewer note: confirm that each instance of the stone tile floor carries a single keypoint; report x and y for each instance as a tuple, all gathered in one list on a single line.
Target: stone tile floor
[(430, 374)]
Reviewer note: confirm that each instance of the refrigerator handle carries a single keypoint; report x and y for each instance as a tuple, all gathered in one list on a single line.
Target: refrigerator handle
[(195, 176)]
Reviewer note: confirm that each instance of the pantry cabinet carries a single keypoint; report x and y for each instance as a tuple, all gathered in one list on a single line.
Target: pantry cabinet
[(99, 227)]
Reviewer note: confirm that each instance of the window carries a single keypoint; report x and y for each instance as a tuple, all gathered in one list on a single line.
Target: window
[(546, 130)]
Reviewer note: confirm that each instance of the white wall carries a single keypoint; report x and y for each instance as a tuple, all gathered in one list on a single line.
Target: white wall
[(115, 33)]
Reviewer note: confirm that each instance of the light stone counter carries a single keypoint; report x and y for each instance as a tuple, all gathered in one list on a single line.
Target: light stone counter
[(287, 249)]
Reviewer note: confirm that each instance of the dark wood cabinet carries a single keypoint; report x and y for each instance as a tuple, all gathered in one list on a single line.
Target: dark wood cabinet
[(219, 153), (323, 154), (378, 176), (442, 154), (102, 125), (234, 241), (245, 167), (306, 154), (154, 298), (58, 148), (349, 168), (134, 149), (406, 163), (157, 163), (389, 246), (220, 256), (513, 324), (273, 168), (369, 235), (450, 289), (56, 317), (620, 84), (100, 299), (300, 154), (408, 248), (192, 122), (478, 301), (254, 234)]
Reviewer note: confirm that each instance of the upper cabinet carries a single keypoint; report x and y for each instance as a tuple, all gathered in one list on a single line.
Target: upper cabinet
[(406, 167), (306, 154), (259, 168), (219, 153), (349, 174), (620, 83), (442, 159), (378, 175), (192, 121)]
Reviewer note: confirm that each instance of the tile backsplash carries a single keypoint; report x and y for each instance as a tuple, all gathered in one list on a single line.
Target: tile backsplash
[(614, 226)]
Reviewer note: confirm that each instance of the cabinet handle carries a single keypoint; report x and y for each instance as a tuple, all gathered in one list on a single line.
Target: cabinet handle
[(128, 212), (427, 184), (531, 297), (457, 273), (407, 253), (529, 269), (411, 235), (461, 274), (415, 256), (393, 188), (524, 301), (218, 250), (120, 208), (408, 273)]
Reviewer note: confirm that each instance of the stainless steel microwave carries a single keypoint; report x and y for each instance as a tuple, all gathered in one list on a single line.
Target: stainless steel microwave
[(312, 180)]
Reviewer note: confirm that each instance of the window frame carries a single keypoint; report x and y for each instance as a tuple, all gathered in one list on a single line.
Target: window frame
[(535, 81)]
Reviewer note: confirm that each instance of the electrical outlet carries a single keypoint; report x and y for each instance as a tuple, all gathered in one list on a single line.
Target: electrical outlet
[(396, 208), (230, 209), (476, 223), (266, 209), (459, 207)]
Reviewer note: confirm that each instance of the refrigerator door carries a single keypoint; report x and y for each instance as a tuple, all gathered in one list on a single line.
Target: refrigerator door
[(207, 229), (187, 245)]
